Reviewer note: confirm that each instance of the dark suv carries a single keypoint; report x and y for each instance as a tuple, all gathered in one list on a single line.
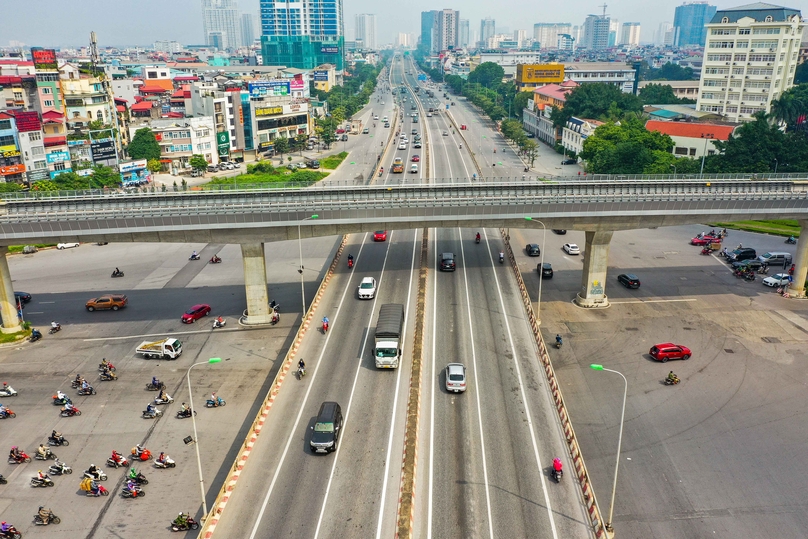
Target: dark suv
[(744, 253), (629, 280), (326, 429), (447, 262), (546, 270), (533, 249)]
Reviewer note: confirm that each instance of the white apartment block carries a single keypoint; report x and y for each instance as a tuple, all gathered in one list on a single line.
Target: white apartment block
[(749, 60), (181, 138), (546, 33), (221, 23), (365, 29), (630, 34), (167, 46)]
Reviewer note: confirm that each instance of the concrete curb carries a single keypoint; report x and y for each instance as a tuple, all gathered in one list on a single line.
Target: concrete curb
[(405, 512), (255, 430), (587, 492)]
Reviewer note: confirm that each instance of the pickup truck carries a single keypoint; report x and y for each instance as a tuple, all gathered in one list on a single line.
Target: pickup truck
[(166, 348)]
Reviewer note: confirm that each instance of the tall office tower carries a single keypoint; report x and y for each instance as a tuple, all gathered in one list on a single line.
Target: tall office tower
[(596, 32), (403, 40), (487, 31), (665, 34), (221, 24), (365, 29), (520, 36), (689, 23), (751, 54), (546, 33), (247, 30), (429, 31), (463, 40), (303, 34), (614, 31), (630, 34), (448, 29)]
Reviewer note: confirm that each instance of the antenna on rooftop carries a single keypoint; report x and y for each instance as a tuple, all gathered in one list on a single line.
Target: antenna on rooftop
[(604, 6), (94, 59)]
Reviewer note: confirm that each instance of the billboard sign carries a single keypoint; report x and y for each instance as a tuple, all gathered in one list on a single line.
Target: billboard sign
[(58, 157), (421, 76), (55, 173), (269, 88), (85, 172), (132, 166), (44, 59), (103, 151), (321, 76), (223, 142), (297, 85), (12, 169), (264, 146), (329, 50), (268, 111), (539, 73), (37, 175)]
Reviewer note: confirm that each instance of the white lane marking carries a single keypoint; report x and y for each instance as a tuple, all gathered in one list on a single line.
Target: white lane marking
[(650, 301), (44, 302), (398, 385), (294, 428), (433, 383), (528, 416), (477, 389)]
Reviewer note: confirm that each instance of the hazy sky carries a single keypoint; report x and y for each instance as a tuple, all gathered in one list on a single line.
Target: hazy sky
[(141, 22)]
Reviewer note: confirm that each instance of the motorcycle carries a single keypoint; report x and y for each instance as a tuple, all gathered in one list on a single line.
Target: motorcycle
[(669, 382), (193, 257), (101, 490), (98, 476), (325, 328), (12, 533), (190, 524), (168, 400), (8, 412), (3, 480), (136, 492), (52, 519), (117, 463), (169, 463), (706, 251), (151, 387), (8, 391), (89, 391), (144, 455), (217, 324), (215, 260), (58, 441), (350, 263), (48, 455), (477, 239), (749, 276), (70, 413), (23, 457), (301, 372), (210, 403), (276, 317), (61, 401), (501, 258), (35, 336), (381, 171), (791, 241), (60, 468), (108, 376), (151, 414), (137, 477), (117, 274), (36, 481), (75, 384), (557, 475), (54, 329), (184, 413), (106, 367)]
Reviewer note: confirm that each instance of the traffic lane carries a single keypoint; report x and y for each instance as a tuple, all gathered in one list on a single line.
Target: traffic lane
[(450, 164), (458, 496), (360, 487)]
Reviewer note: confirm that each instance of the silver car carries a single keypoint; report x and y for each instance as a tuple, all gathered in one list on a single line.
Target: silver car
[(455, 377), (367, 288)]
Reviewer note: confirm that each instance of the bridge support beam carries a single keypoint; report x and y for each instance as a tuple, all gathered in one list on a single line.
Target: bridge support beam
[(8, 304), (255, 282), (797, 289), (596, 260)]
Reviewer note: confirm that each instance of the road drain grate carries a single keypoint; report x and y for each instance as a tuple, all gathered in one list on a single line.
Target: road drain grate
[(770, 340), (729, 350)]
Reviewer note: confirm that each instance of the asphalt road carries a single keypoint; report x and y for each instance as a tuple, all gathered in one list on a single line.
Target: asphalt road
[(161, 283), (718, 455)]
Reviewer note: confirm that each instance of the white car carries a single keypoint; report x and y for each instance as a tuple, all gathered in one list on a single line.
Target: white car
[(778, 279), (376, 117), (402, 146), (571, 249), (455, 377), (61, 246), (367, 288)]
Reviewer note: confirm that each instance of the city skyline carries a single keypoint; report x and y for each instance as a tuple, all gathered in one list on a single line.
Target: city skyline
[(140, 27)]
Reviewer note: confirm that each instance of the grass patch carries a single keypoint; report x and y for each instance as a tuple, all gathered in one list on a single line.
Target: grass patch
[(19, 248), (781, 227), (334, 161), (14, 337), (278, 177)]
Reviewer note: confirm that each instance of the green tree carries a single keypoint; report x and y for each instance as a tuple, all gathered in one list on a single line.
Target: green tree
[(669, 71), (801, 74), (326, 130), (488, 75), (531, 150), (661, 94), (104, 176), (300, 141), (791, 108), (754, 147), (197, 162), (595, 101), (154, 165), (6, 187), (627, 148), (144, 145), (281, 145), (520, 102)]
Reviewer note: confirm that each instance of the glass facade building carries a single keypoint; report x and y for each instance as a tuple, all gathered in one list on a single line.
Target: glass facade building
[(302, 33), (689, 23)]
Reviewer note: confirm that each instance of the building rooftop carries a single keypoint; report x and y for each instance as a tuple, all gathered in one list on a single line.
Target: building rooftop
[(758, 11), (556, 91), (691, 129)]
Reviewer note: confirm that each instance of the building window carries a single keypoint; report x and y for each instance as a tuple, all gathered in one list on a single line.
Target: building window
[(39, 165), (723, 32), (37, 150), (725, 20), (59, 166), (743, 31), (759, 31), (48, 103), (47, 91), (721, 44), (5, 124), (7, 140), (680, 151), (692, 151), (34, 136), (769, 18), (99, 115)]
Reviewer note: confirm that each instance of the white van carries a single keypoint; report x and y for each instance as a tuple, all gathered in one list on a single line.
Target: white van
[(414, 168)]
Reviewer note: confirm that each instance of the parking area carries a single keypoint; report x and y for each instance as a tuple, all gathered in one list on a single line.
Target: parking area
[(720, 454)]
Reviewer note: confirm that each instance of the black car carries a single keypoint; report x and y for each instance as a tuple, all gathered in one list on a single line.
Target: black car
[(559, 231), (532, 249), (447, 262), (569, 162), (744, 253), (752, 264), (313, 164), (629, 280), (22, 297), (546, 270), (327, 428)]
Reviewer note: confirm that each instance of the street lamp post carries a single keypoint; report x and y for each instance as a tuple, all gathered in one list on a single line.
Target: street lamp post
[(674, 169), (597, 367), (196, 438), (300, 269), (706, 137), (541, 269), (775, 165)]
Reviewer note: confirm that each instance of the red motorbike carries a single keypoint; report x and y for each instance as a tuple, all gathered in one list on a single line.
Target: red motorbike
[(70, 413), (350, 263), (19, 459)]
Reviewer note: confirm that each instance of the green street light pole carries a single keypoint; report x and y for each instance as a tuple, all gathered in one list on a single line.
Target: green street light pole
[(196, 438), (541, 269), (597, 367), (300, 270)]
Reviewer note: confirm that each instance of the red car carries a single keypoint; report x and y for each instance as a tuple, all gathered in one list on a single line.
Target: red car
[(415, 158), (195, 313), (705, 240), (667, 350), (380, 235)]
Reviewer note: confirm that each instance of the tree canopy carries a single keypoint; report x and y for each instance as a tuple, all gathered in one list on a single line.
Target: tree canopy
[(596, 101), (791, 108), (144, 145), (661, 94), (668, 71), (487, 75)]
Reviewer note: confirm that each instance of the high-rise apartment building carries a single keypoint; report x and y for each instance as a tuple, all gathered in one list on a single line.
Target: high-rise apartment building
[(520, 36), (596, 32), (247, 30), (664, 34), (689, 23), (403, 40), (463, 40), (221, 24), (429, 31), (546, 33), (751, 54), (487, 30), (448, 29), (630, 34), (303, 34), (167, 46), (365, 29)]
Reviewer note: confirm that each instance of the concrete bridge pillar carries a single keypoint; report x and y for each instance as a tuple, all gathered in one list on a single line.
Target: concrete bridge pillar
[(797, 288), (255, 282), (596, 260), (8, 305)]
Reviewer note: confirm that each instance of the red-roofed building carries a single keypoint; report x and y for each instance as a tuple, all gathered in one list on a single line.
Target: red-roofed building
[(144, 109), (536, 119), (692, 139)]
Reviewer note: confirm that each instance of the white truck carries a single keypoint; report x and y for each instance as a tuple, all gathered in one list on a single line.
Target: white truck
[(389, 326), (166, 348)]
